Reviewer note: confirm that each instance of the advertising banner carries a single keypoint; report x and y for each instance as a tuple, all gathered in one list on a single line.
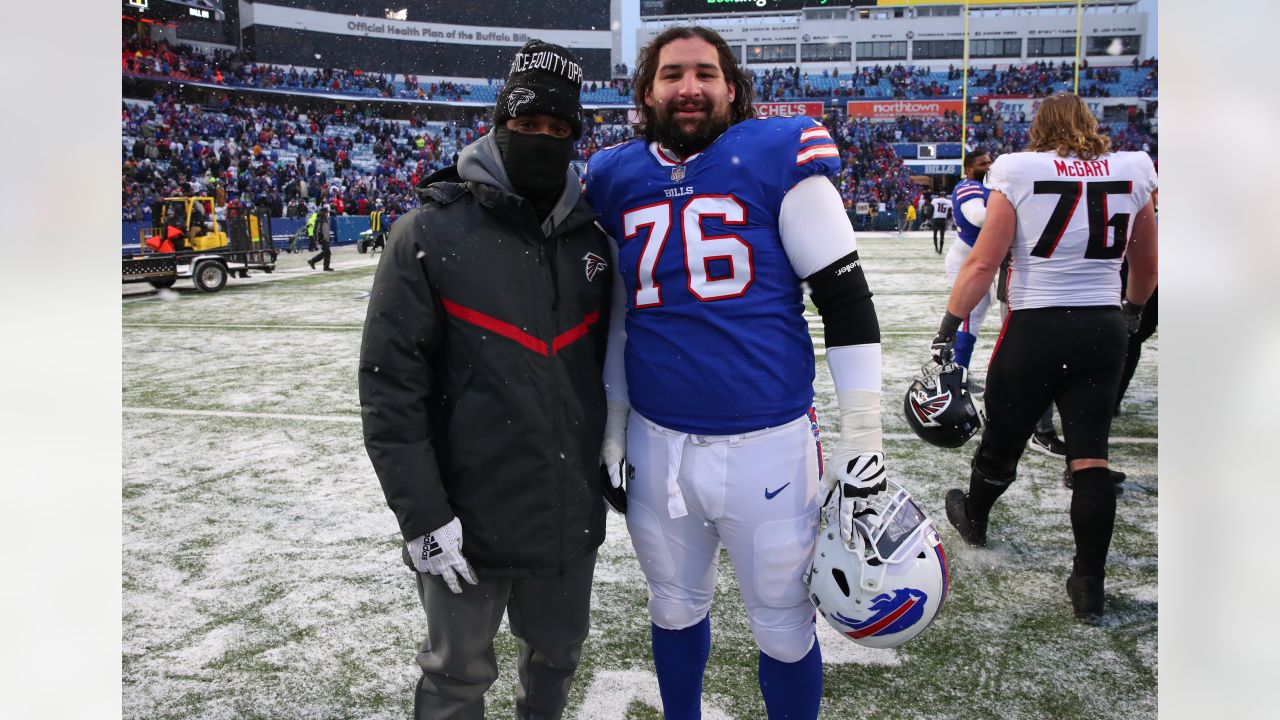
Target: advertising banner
[(1017, 108), (890, 109), (787, 109)]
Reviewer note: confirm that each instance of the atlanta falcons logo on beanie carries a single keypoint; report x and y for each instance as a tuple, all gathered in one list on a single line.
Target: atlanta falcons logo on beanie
[(545, 79), (518, 97)]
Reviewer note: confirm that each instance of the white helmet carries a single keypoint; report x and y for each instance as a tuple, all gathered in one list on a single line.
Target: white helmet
[(888, 585)]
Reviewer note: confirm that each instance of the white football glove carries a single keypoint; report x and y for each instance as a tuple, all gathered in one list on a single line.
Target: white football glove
[(612, 452), (440, 553), (850, 481)]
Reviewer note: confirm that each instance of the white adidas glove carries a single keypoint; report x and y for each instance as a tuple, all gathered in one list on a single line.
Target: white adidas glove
[(440, 553), (855, 470), (612, 452), (850, 485)]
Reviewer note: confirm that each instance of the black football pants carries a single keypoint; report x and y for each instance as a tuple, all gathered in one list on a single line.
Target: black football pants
[(1072, 357)]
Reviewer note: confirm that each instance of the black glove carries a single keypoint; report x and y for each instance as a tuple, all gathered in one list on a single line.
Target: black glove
[(615, 494), (943, 347), (1132, 314)]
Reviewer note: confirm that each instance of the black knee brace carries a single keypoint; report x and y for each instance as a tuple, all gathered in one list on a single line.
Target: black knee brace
[(991, 469), (988, 479)]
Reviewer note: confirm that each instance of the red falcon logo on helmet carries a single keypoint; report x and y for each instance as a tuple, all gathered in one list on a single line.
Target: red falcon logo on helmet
[(928, 407), (595, 264)]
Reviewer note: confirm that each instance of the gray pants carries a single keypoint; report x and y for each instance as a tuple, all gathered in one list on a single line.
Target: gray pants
[(549, 617)]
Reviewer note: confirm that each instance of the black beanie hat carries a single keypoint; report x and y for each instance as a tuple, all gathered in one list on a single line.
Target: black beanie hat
[(545, 79)]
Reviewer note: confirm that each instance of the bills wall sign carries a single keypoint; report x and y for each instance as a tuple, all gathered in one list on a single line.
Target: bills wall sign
[(927, 407), (890, 614)]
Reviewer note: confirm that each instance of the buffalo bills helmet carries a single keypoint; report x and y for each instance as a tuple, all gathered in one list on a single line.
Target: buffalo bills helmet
[(939, 407), (888, 584)]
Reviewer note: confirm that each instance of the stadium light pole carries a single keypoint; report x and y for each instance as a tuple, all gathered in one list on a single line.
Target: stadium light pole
[(1075, 89), (964, 92)]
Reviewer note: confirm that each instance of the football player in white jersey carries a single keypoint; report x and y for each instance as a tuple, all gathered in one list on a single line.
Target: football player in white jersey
[(1072, 211), (717, 218), (941, 218)]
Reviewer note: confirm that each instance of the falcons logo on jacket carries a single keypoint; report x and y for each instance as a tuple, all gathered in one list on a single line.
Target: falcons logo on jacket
[(928, 407), (594, 264)]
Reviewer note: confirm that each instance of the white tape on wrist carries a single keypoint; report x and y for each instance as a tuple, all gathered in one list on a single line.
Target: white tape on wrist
[(860, 429)]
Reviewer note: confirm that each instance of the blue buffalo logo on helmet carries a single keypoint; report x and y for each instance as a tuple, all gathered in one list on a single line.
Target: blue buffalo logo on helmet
[(892, 613), (927, 407)]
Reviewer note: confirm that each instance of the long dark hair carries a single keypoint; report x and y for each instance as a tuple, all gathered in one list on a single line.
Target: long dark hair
[(647, 69)]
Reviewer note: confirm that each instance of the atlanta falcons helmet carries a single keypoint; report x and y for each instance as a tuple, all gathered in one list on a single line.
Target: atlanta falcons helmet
[(939, 407), (888, 584)]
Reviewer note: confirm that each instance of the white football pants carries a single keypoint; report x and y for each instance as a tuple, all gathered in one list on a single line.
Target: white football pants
[(955, 258), (757, 493)]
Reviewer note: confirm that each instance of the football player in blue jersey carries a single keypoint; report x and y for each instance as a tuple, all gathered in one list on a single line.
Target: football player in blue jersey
[(969, 199), (718, 219)]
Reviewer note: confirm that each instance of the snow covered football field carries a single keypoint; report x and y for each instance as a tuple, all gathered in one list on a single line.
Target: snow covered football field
[(262, 574)]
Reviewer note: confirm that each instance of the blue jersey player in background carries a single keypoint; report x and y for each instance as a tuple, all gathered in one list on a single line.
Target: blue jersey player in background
[(969, 200), (717, 219)]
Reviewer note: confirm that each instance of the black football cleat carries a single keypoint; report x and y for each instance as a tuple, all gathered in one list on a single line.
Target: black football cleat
[(1086, 596), (972, 532)]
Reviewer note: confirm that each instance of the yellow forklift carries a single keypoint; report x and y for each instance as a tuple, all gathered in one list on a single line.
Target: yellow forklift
[(187, 241)]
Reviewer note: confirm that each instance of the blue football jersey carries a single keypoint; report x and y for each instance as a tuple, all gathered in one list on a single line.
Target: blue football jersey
[(717, 342), (967, 190)]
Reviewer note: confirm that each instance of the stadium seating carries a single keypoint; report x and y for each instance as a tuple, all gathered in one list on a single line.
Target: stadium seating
[(259, 153), (141, 58)]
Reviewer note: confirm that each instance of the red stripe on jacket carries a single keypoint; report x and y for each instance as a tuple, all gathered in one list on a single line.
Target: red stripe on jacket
[(511, 332)]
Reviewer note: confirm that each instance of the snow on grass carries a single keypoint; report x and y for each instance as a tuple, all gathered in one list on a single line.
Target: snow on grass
[(262, 574)]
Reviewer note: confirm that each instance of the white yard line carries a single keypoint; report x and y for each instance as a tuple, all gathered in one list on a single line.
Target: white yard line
[(356, 419), (235, 414), (233, 326), (225, 326), (1112, 439)]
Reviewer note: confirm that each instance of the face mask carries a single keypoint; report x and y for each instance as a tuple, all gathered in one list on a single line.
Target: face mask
[(536, 165)]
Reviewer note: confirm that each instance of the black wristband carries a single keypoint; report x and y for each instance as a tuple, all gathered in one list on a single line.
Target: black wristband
[(950, 325), (1131, 308)]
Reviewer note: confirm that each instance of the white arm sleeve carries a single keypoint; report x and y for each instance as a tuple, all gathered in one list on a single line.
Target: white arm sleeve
[(814, 227), (975, 211), (815, 233), (855, 367)]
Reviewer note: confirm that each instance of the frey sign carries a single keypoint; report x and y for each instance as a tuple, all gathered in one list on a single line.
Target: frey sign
[(891, 109), (787, 109)]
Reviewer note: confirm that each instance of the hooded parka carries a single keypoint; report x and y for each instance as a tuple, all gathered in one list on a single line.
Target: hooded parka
[(480, 369)]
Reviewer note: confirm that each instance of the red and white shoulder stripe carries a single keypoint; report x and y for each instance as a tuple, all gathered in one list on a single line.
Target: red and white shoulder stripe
[(815, 143)]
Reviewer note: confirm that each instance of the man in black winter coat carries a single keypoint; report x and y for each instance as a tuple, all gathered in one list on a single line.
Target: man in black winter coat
[(482, 399)]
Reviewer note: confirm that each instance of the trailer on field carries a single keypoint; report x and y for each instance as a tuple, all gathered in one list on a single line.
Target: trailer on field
[(188, 242)]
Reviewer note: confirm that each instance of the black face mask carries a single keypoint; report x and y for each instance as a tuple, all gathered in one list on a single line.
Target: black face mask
[(536, 165)]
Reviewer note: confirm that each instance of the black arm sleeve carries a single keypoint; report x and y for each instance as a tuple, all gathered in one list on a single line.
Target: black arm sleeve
[(401, 331), (843, 298)]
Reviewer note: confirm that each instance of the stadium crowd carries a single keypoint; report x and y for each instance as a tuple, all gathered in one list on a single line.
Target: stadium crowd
[(266, 153), (234, 69)]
